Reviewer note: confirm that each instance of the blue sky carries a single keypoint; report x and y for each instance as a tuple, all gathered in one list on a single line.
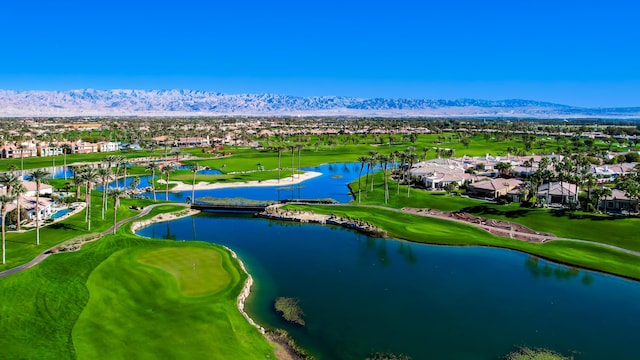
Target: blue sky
[(581, 53)]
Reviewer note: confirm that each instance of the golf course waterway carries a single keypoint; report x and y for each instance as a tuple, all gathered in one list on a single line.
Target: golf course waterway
[(362, 295)]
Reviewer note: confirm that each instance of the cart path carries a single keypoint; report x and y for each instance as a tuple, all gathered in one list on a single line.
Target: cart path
[(45, 254), (499, 231)]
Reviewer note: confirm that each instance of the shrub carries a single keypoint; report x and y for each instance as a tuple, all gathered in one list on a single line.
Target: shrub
[(387, 356), (526, 353), (290, 310)]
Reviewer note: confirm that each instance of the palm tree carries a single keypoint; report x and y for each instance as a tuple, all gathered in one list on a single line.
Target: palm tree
[(299, 147), (363, 160), (384, 161), (503, 167), (402, 156), (411, 157), (9, 180), (116, 163), (599, 193), (153, 167), (135, 181), (279, 149), (90, 176), (22, 147), (110, 160), (18, 190), (105, 175), (425, 150), (4, 200), (194, 169), (166, 170), (591, 181), (293, 149), (123, 164), (373, 159), (65, 150), (38, 176), (116, 194)]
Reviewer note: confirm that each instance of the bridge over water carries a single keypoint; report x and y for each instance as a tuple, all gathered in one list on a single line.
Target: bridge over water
[(250, 205)]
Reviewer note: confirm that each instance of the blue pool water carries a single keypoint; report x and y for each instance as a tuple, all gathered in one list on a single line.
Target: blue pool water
[(60, 213)]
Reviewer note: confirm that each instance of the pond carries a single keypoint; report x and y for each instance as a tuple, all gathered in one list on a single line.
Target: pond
[(362, 295), (331, 184)]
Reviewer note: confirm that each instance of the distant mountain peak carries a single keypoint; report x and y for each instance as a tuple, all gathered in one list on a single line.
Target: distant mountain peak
[(185, 102)]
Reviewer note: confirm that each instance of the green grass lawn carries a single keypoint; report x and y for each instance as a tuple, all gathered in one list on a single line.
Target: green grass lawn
[(21, 247), (167, 302), (617, 231), (129, 297)]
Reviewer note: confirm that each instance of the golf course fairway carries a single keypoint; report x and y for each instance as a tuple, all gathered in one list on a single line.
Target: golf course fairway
[(168, 302)]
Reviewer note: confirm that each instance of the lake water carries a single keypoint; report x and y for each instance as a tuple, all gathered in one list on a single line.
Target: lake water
[(331, 184), (362, 295)]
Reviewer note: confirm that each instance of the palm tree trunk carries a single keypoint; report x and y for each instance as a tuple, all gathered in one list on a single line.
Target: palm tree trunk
[(373, 164), (86, 202), (37, 214), (89, 207), (166, 193), (359, 182), (153, 184), (386, 183), (104, 198), (115, 214), (292, 158), (18, 214), (4, 257), (193, 188), (366, 182), (279, 153), (299, 149)]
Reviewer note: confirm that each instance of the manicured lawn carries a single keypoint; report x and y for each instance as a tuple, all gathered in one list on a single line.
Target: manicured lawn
[(129, 297), (167, 302), (187, 178), (21, 247), (438, 231), (618, 231)]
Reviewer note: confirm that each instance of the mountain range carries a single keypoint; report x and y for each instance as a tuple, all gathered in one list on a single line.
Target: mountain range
[(90, 102)]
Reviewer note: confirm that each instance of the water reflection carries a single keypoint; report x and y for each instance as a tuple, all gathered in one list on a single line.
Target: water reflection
[(541, 268), (362, 295)]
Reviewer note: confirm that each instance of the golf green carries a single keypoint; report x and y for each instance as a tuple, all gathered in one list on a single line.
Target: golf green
[(199, 272), (171, 302)]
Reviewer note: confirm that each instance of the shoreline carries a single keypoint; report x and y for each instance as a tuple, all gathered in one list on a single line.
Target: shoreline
[(282, 350), (275, 213), (135, 226), (203, 185)]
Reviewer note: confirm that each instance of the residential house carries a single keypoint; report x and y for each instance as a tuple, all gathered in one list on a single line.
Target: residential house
[(30, 186), (193, 142), (13, 151), (49, 149), (492, 188), (107, 146), (437, 174), (618, 202), (28, 203), (81, 147), (556, 192)]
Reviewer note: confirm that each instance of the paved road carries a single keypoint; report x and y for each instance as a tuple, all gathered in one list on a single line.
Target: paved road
[(45, 254)]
